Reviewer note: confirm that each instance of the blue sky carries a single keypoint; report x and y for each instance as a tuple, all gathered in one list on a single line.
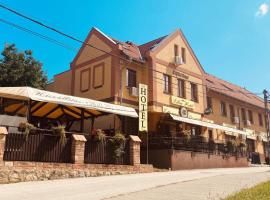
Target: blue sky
[(230, 38)]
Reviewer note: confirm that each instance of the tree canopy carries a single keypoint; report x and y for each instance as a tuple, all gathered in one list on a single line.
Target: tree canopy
[(21, 69)]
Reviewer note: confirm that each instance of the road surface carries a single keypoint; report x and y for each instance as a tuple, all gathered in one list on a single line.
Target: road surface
[(187, 184)]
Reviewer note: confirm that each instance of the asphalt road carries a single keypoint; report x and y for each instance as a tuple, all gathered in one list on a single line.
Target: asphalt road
[(188, 184)]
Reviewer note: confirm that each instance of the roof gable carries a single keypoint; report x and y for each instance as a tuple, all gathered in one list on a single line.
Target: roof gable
[(167, 44), (98, 40)]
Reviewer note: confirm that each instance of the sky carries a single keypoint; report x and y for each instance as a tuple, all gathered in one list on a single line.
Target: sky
[(230, 38)]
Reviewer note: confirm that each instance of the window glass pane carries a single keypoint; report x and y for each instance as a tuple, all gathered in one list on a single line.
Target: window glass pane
[(223, 109), (167, 83), (131, 78), (243, 113), (232, 113), (183, 52), (209, 102), (181, 88), (194, 92)]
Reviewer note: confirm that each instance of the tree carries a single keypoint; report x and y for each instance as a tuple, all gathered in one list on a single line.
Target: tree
[(21, 69)]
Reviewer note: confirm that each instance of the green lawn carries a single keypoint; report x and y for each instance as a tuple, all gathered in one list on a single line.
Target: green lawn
[(259, 192)]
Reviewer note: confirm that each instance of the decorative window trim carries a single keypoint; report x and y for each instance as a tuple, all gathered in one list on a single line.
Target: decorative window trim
[(103, 75), (89, 80)]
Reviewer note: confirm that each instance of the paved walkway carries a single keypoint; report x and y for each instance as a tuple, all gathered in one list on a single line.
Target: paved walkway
[(213, 188), (189, 184)]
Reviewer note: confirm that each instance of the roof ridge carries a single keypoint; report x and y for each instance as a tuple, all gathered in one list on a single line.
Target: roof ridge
[(153, 40)]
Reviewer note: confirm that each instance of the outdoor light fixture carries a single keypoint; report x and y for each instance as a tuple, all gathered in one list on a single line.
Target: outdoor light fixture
[(208, 111)]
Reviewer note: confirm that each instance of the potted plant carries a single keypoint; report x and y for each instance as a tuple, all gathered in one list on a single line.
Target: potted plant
[(100, 135), (187, 136), (118, 145), (212, 145), (60, 130), (231, 146), (26, 128)]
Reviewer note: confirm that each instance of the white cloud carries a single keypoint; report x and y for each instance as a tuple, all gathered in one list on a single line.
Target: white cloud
[(263, 10)]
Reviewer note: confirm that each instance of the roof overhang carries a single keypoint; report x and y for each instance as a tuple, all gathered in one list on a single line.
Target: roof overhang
[(227, 130), (60, 103)]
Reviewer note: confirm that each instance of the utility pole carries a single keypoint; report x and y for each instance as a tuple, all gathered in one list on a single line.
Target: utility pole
[(266, 96)]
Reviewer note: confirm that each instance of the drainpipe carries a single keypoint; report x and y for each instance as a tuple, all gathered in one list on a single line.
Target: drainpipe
[(266, 96)]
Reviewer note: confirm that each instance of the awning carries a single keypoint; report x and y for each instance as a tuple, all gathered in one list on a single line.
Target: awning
[(48, 104), (207, 124)]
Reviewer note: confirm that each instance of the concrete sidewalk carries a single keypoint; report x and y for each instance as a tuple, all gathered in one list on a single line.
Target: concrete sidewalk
[(212, 188), (111, 186)]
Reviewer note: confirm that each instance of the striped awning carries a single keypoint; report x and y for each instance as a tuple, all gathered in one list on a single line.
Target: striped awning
[(53, 105)]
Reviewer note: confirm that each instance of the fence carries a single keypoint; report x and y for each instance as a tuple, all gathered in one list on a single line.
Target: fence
[(97, 152), (39, 147), (195, 144)]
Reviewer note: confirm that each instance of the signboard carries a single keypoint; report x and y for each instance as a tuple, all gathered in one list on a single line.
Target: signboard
[(196, 116), (143, 100), (180, 75), (182, 102), (170, 110)]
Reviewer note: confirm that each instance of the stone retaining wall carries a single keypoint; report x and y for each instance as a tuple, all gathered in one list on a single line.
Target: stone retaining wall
[(13, 172)]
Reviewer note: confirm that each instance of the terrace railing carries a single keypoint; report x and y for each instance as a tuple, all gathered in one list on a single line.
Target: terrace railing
[(195, 144), (40, 146), (102, 152)]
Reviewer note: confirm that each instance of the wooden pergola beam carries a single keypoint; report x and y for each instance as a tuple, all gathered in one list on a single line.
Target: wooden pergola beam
[(51, 111), (38, 107), (18, 109)]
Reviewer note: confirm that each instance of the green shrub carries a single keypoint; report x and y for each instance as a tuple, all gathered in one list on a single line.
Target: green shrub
[(231, 146), (118, 142), (26, 128), (60, 130)]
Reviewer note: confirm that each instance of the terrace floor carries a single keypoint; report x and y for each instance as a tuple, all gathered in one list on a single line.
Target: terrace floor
[(186, 184)]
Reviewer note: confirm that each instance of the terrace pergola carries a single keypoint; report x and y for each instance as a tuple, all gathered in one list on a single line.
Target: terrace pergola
[(40, 104)]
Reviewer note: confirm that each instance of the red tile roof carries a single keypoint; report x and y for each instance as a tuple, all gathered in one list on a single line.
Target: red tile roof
[(138, 53), (232, 90)]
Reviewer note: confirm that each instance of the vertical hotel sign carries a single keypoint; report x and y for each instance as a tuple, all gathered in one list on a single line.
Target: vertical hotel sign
[(143, 100)]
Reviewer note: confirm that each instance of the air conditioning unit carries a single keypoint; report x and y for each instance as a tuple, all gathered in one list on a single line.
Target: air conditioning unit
[(133, 91), (178, 60), (248, 123), (236, 120)]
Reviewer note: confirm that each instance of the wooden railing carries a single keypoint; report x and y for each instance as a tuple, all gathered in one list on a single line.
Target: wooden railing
[(195, 144), (98, 152), (39, 147)]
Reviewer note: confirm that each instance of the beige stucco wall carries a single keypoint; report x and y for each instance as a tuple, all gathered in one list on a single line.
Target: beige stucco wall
[(61, 84), (94, 93), (218, 118), (167, 54), (89, 53), (163, 98)]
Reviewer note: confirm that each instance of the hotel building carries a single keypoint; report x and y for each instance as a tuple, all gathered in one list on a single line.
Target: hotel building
[(182, 96)]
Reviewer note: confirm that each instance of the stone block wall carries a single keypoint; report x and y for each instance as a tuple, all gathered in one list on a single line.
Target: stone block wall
[(18, 171), (15, 171)]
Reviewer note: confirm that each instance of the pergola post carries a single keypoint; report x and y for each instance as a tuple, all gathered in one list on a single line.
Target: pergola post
[(92, 124), (1, 105), (29, 114), (82, 120)]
